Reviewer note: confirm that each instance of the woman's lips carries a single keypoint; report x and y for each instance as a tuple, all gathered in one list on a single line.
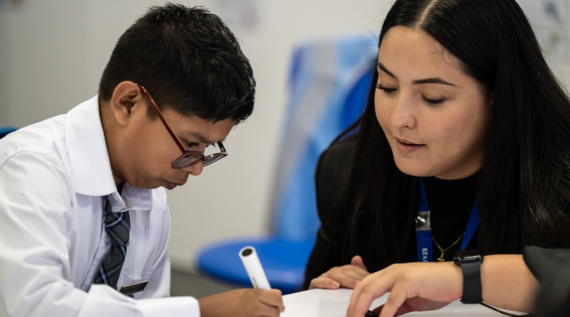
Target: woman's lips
[(406, 146)]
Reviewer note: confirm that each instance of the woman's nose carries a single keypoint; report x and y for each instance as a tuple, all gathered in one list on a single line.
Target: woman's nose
[(403, 114)]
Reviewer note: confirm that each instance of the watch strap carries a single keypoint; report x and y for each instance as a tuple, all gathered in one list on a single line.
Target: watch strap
[(470, 263), (472, 287)]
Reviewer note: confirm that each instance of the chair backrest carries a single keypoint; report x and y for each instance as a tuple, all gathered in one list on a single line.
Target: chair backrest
[(4, 131), (328, 87)]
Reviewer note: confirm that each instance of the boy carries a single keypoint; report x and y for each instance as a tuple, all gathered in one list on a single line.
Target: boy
[(82, 214)]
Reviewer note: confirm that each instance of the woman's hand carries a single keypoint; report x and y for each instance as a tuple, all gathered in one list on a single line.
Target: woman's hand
[(344, 276), (412, 287)]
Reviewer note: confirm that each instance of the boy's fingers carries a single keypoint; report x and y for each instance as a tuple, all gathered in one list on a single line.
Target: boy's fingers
[(278, 308), (272, 298), (268, 311)]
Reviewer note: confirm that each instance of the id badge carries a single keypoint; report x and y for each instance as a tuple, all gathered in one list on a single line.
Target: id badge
[(131, 289)]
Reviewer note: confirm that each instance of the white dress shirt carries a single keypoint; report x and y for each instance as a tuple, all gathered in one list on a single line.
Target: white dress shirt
[(53, 175)]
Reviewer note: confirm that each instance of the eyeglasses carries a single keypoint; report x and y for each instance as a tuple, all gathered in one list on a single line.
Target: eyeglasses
[(188, 157)]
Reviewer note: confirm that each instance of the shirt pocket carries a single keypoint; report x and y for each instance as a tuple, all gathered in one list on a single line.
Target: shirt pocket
[(128, 280)]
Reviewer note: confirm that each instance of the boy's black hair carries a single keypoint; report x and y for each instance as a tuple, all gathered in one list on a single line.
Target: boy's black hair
[(188, 60)]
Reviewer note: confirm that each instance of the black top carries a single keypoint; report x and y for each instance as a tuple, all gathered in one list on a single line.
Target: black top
[(551, 267), (450, 202)]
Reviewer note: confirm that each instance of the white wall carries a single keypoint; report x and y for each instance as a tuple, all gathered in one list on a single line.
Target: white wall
[(52, 54)]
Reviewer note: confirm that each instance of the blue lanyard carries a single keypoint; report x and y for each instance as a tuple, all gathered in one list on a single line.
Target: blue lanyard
[(423, 227)]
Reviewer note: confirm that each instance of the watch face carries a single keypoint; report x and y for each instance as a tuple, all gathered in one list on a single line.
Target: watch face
[(467, 255)]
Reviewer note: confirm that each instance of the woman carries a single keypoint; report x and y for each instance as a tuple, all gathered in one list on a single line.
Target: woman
[(464, 108)]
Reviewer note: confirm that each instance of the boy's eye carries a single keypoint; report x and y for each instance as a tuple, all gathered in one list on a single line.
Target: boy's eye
[(192, 144)]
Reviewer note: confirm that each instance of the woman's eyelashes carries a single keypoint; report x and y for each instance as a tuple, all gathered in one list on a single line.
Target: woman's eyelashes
[(386, 89), (432, 102)]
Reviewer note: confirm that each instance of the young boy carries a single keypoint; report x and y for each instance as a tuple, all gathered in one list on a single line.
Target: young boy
[(82, 212)]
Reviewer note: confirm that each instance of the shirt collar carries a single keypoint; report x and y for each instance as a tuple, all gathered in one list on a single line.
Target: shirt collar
[(131, 199), (90, 166)]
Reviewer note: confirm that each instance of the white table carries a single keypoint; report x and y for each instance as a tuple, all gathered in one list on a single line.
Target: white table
[(333, 303)]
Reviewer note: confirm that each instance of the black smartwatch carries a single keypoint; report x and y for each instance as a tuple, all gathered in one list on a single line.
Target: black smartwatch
[(470, 263)]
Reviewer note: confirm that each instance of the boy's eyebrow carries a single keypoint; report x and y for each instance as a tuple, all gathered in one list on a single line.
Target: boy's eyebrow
[(434, 80), (203, 139)]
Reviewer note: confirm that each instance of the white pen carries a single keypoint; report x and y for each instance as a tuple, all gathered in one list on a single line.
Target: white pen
[(254, 269)]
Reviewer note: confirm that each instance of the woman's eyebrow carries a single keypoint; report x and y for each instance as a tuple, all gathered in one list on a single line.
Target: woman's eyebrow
[(382, 68), (435, 80)]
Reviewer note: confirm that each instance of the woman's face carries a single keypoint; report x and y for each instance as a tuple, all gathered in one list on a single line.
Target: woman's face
[(433, 114)]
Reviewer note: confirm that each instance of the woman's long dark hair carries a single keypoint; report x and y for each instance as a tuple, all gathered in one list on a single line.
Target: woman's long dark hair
[(524, 189)]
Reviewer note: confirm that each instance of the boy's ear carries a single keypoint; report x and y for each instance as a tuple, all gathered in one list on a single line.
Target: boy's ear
[(125, 96)]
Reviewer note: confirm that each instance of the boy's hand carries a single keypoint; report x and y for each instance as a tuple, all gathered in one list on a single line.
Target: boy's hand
[(343, 276), (243, 303)]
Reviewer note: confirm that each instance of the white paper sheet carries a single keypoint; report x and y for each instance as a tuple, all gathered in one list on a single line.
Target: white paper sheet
[(333, 303)]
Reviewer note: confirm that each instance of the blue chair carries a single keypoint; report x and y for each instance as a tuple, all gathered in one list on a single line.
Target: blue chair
[(328, 86), (4, 131)]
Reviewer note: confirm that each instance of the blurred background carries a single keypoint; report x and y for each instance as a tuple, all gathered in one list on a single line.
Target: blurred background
[(53, 52)]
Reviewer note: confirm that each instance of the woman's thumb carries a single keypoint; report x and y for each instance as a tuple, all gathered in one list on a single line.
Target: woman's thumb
[(357, 261)]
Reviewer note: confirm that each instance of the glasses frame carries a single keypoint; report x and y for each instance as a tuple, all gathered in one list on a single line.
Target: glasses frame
[(208, 160)]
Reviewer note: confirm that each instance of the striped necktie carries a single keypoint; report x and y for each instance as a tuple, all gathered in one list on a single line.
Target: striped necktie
[(117, 226)]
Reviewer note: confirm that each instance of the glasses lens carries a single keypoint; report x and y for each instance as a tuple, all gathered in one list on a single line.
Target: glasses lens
[(187, 161), (213, 159)]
